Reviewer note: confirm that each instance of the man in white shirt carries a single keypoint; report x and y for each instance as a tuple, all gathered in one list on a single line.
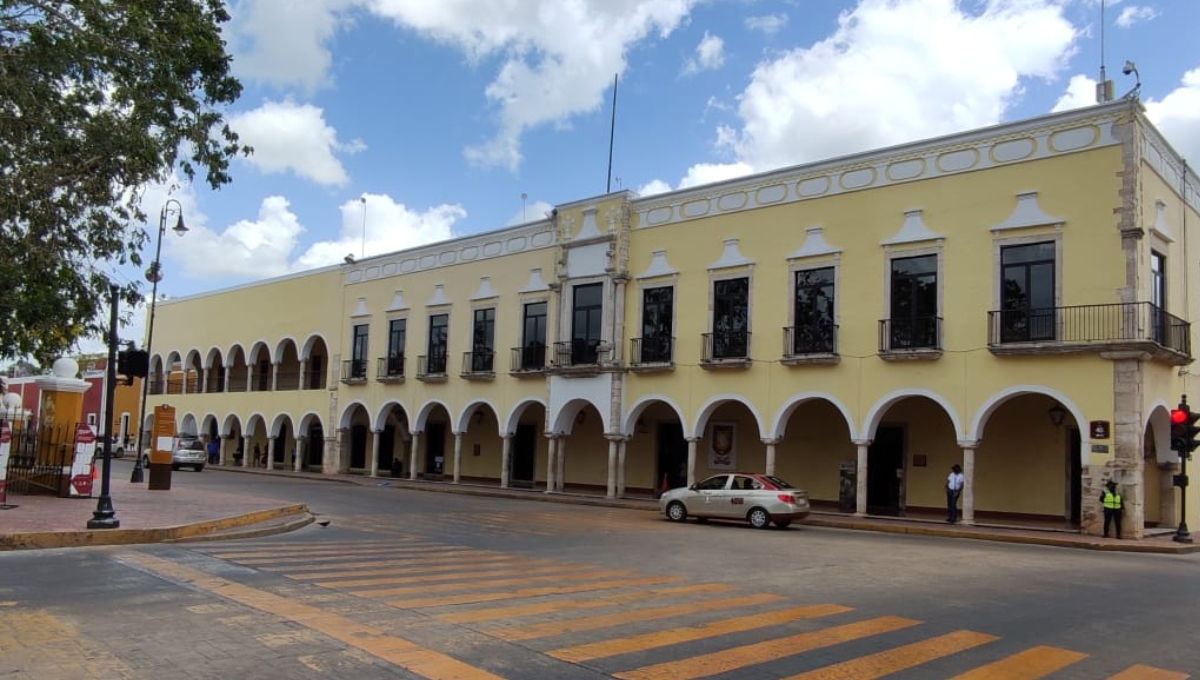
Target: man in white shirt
[(954, 485)]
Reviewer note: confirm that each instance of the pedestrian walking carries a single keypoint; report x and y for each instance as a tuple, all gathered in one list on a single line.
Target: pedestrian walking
[(954, 486), (257, 455), (1111, 500), (214, 451)]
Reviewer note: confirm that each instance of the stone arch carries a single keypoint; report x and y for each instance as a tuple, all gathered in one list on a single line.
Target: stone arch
[(348, 413), (996, 400), (278, 423), (255, 422), (282, 345), (871, 422), (187, 424), (193, 359), (514, 416), (639, 406), (257, 351), (789, 407), (715, 402), (306, 421), (382, 414), (1159, 422), (173, 359), (310, 344), (463, 420), (148, 427), (564, 421), (236, 350), (214, 357), (423, 414), (209, 425), (230, 424)]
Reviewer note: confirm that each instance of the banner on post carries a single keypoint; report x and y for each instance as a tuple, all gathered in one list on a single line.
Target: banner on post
[(81, 466), (5, 445)]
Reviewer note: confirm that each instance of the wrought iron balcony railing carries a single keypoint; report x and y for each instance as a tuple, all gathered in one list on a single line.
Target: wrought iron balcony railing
[(236, 382), (530, 358), (910, 333), (575, 353), (354, 370), (431, 367), (809, 339), (726, 346), (390, 368), (479, 363), (656, 349), (1089, 325)]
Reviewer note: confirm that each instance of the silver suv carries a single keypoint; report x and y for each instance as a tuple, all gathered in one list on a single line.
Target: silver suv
[(188, 450)]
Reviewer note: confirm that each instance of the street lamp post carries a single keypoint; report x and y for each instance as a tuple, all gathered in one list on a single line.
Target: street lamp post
[(154, 275)]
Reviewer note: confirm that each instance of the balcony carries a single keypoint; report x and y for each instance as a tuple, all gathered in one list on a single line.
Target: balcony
[(287, 380), (431, 368), (479, 365), (157, 386), (354, 371), (655, 353), (390, 369), (580, 357), (728, 349), (529, 360), (1119, 327), (814, 343), (913, 337)]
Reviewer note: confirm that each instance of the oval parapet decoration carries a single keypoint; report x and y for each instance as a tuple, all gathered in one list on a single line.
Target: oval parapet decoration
[(898, 172), (772, 194), (408, 265), (814, 186), (469, 253), (660, 215), (733, 201), (696, 208), (1013, 150), (857, 179), (954, 161), (542, 239), (492, 249), (390, 268), (515, 245), (1075, 138), (448, 257)]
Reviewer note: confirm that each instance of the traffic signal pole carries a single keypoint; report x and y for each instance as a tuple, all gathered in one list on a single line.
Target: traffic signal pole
[(1185, 438)]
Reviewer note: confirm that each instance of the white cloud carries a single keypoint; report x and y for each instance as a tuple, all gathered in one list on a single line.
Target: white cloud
[(530, 212), (1177, 115), (769, 24), (558, 57), (710, 55), (876, 82), (1081, 92), (389, 226), (701, 173), (654, 186), (1135, 14), (294, 137), (248, 249), (284, 42)]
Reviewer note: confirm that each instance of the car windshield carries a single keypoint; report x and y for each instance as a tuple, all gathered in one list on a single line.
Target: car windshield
[(191, 444), (779, 483)]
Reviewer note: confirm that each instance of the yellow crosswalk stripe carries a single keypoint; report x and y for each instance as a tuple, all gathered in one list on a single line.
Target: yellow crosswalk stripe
[(323, 548), (619, 618), (456, 558), (641, 643), (471, 598), (895, 660), (467, 572), (768, 650), (1027, 665), (379, 554), (485, 585), (404, 653), (1140, 672), (520, 610), (386, 568)]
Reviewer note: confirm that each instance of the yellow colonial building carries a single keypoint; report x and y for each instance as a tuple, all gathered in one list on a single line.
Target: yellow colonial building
[(1014, 299)]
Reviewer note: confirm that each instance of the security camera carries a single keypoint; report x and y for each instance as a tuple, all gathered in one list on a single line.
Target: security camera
[(1130, 67), (349, 258)]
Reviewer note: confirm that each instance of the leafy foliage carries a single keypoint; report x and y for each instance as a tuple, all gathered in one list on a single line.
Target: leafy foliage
[(100, 98)]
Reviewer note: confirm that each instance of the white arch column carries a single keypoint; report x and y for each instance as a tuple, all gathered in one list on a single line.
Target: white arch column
[(691, 470), (245, 450), (374, 466), (506, 461), (275, 376), (621, 449), (228, 374), (968, 490), (613, 446), (860, 477), (560, 460), (551, 462), (458, 441), (298, 458), (416, 454), (771, 443), (303, 374), (203, 381)]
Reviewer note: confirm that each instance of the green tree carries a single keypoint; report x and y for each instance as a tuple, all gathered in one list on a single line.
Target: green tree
[(98, 98)]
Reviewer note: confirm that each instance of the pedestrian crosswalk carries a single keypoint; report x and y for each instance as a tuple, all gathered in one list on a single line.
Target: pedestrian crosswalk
[(582, 522), (632, 625)]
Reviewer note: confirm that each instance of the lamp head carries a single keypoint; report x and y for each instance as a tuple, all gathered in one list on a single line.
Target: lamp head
[(1130, 67), (180, 228)]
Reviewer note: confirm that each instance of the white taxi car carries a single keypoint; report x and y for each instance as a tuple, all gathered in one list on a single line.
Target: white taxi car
[(757, 499)]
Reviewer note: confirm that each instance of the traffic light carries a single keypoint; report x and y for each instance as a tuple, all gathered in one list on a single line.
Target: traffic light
[(1192, 432), (133, 363), (1179, 428)]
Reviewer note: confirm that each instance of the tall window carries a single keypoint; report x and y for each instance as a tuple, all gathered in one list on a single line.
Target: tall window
[(1158, 295), (483, 340), (658, 314), (913, 320), (533, 339), (397, 330), (1027, 304), (358, 357), (813, 332), (588, 304), (731, 319), (439, 336)]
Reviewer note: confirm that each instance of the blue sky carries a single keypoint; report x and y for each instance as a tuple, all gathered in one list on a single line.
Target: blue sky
[(442, 114)]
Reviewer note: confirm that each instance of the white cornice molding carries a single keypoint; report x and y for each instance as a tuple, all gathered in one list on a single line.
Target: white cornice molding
[(731, 257), (360, 310), (590, 229), (484, 292), (1028, 214), (912, 231), (814, 245), (438, 299), (398, 304), (1160, 227), (535, 284), (658, 266)]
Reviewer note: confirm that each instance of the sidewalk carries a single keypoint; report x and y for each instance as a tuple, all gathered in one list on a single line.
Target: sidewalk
[(188, 514)]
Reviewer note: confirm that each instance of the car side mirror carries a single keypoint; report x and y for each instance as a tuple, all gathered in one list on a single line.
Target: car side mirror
[(693, 487)]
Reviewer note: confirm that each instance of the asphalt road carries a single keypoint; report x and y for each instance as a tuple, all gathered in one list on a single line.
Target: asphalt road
[(413, 584)]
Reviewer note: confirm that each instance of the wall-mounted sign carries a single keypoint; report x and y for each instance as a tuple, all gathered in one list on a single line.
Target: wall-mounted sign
[(1099, 429), (1099, 448)]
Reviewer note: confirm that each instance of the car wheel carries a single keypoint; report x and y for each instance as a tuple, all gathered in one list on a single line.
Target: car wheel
[(758, 518), (175, 468), (199, 468), (676, 512), (783, 524)]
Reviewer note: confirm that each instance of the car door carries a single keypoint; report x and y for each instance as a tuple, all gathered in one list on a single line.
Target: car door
[(734, 499), (708, 497)]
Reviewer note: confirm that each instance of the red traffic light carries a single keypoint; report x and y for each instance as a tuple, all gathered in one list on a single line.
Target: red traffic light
[(1178, 416)]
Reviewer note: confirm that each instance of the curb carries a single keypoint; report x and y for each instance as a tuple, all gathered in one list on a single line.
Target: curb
[(35, 540), (273, 530)]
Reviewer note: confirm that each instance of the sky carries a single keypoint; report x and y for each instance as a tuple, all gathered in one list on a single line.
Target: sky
[(379, 125)]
